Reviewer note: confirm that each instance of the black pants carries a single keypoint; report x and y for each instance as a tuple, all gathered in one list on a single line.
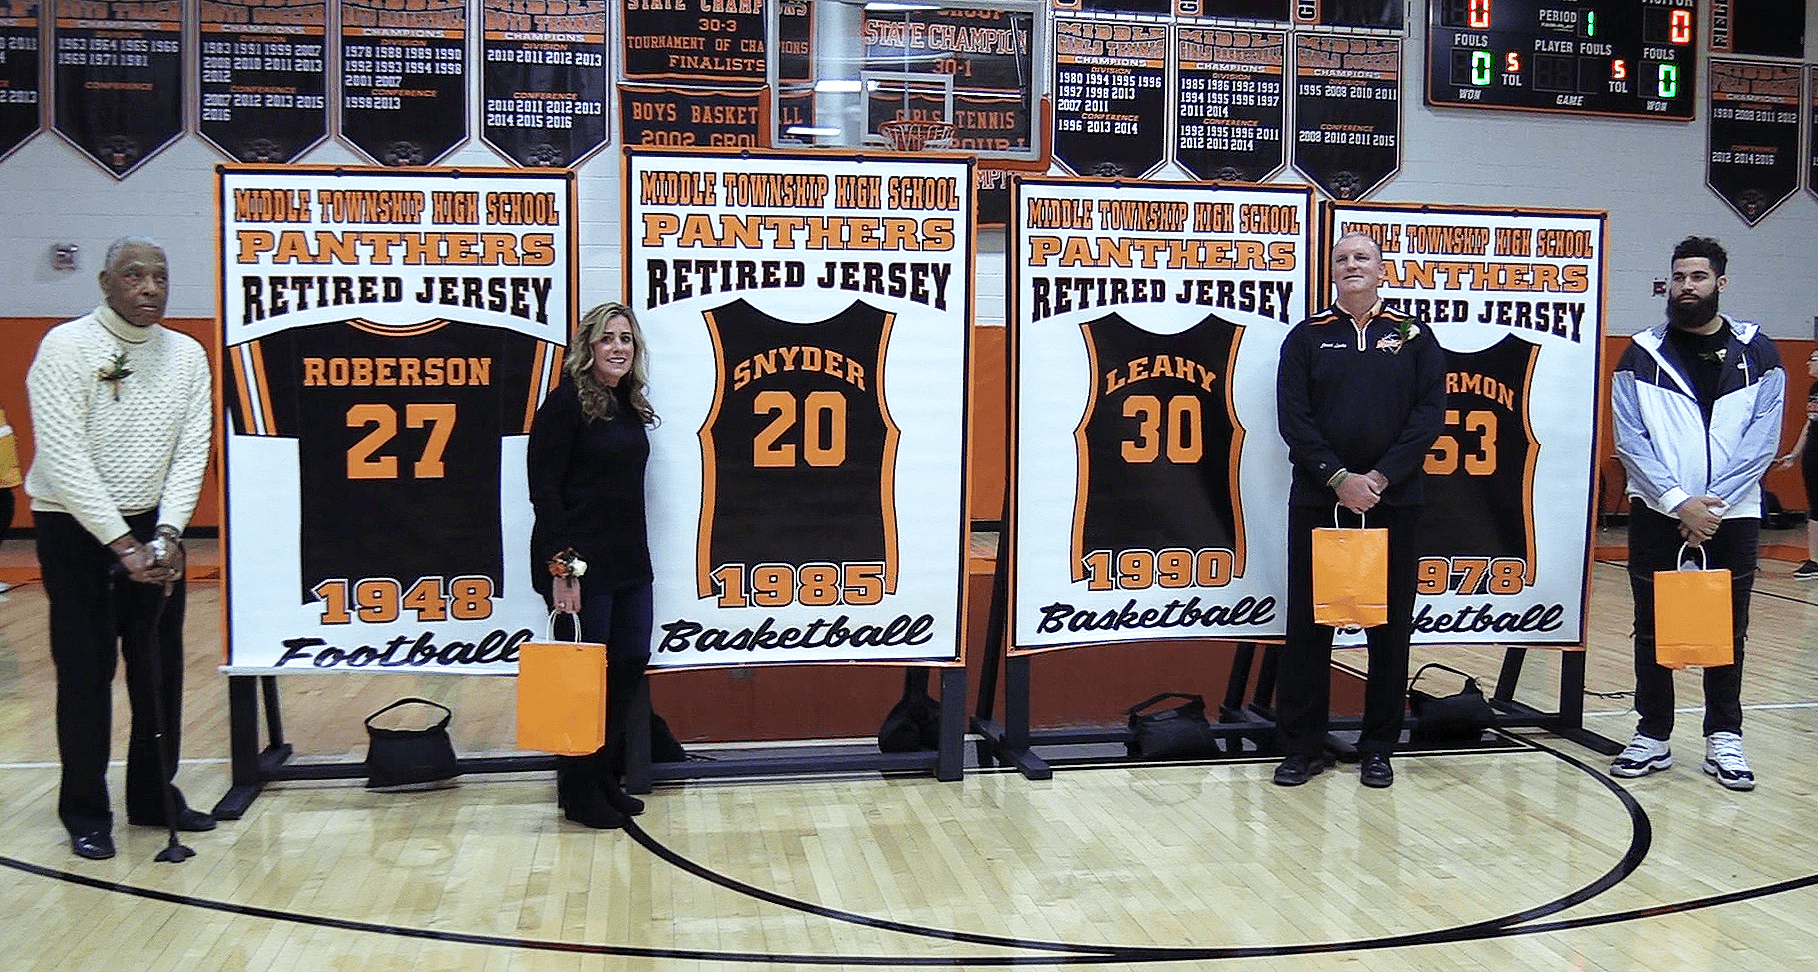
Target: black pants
[(1654, 545), (622, 621), (1303, 680), (97, 614)]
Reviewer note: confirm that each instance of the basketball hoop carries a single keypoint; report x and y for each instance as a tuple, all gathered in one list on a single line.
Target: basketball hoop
[(907, 135)]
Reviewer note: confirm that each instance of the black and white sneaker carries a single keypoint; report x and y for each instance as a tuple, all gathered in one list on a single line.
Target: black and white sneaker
[(1643, 755), (1807, 570), (1723, 760)]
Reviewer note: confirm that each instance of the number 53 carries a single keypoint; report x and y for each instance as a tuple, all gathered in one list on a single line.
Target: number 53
[(1445, 457)]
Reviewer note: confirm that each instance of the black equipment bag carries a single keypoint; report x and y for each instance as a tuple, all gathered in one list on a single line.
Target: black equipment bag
[(1178, 733), (1459, 718), (410, 759), (913, 724)]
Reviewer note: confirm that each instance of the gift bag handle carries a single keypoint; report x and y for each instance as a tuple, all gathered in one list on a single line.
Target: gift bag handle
[(447, 713), (1470, 680), (1144, 704), (550, 627), (1703, 562), (1363, 519)]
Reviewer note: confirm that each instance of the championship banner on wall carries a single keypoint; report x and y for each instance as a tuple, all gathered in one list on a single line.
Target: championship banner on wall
[(19, 84), (404, 79), (1516, 299), (387, 339), (807, 320), (264, 77), (1151, 480), (544, 85), (119, 80)]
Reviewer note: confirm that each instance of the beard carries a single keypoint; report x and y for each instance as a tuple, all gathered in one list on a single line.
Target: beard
[(1691, 314)]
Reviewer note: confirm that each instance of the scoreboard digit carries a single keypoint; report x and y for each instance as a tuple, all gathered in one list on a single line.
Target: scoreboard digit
[(1636, 58)]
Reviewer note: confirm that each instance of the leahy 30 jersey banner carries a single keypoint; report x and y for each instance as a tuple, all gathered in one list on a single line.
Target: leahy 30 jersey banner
[(807, 318), (1516, 299), (387, 337), (1151, 480)]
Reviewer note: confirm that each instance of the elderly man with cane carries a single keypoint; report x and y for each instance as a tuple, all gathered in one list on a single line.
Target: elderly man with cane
[(121, 414)]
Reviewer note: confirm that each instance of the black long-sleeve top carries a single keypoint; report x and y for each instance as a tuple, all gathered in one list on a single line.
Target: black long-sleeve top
[(587, 489), (1359, 402)]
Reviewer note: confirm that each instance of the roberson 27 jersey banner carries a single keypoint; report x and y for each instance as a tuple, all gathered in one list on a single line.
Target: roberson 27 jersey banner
[(386, 340), (807, 321)]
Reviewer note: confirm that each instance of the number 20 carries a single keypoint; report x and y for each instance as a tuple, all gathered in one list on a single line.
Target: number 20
[(823, 421)]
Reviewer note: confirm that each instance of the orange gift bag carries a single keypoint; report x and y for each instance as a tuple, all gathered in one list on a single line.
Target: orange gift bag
[(1692, 621), (1350, 576), (562, 694)]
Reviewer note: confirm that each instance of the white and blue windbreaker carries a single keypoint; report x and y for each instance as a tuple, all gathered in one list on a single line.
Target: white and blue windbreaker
[(1661, 435)]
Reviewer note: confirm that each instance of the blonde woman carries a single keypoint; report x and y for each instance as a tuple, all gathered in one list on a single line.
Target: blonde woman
[(590, 553)]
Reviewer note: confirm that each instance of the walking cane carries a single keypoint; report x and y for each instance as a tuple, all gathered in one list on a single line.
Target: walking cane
[(174, 852)]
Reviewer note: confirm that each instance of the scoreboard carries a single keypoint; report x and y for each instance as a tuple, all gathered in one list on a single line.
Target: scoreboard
[(1636, 58)]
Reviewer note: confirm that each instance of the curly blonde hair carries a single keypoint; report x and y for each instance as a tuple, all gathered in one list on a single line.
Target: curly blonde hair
[(598, 401)]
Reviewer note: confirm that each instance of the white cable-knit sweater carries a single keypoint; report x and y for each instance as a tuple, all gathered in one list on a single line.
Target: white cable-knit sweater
[(98, 458)]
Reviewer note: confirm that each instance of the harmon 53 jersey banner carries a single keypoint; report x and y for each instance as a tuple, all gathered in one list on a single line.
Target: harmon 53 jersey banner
[(387, 337), (1516, 299), (807, 322), (1150, 478)]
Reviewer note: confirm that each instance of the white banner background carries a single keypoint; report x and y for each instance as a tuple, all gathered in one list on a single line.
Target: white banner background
[(491, 254), (829, 233), (1253, 272)]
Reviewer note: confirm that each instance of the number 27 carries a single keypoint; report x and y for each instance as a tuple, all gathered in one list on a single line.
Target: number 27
[(363, 464)]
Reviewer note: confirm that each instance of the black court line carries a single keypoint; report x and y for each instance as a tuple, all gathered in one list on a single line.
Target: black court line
[(1623, 566), (1052, 953)]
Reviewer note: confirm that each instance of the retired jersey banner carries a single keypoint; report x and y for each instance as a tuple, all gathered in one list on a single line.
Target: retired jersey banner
[(1151, 483), (1515, 297), (387, 338), (807, 320)]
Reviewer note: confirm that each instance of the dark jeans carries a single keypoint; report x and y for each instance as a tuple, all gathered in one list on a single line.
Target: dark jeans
[(622, 621), (1654, 545), (97, 614), (1303, 681)]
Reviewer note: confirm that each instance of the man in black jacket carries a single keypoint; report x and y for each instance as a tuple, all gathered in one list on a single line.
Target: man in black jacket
[(1360, 396)]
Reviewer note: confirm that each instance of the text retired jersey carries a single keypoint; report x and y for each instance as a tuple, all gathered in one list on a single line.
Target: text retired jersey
[(799, 449), (1159, 443), (1480, 472), (397, 431)]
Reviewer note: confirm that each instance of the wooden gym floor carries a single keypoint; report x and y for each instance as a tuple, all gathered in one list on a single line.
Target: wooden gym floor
[(1525, 858)]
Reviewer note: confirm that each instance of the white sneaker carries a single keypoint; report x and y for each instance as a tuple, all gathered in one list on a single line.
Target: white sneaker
[(1644, 755), (1723, 759)]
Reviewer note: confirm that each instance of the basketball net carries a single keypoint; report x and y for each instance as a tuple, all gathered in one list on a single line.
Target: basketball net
[(908, 135)]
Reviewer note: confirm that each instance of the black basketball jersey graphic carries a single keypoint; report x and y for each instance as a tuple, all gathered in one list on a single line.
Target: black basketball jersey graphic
[(799, 450), (1158, 445), (1480, 472), (397, 431)]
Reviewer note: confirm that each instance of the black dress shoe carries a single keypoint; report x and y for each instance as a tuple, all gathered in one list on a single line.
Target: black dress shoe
[(98, 846), (1376, 771), (621, 801), (189, 819), (1298, 768), (580, 800)]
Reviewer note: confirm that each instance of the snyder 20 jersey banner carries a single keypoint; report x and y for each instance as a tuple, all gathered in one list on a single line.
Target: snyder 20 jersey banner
[(1151, 480), (1516, 299), (387, 336), (807, 320)]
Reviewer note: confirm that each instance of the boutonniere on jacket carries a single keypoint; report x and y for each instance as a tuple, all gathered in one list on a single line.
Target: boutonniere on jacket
[(115, 373), (1399, 338)]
